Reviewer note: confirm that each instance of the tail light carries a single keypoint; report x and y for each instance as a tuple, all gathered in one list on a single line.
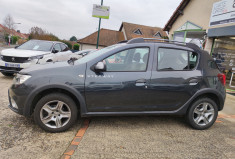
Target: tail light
[(222, 78)]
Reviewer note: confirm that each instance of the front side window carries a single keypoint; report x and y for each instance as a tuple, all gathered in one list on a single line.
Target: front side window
[(57, 47), (132, 60), (173, 59)]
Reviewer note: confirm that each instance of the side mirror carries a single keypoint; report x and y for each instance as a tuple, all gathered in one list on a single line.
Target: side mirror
[(54, 50), (16, 47), (100, 67), (84, 54)]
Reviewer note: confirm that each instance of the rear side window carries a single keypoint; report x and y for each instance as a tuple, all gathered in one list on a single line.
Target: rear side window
[(63, 47), (193, 58), (176, 60)]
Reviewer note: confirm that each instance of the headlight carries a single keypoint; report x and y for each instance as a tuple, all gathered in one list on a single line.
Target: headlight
[(35, 57), (19, 79), (1, 57)]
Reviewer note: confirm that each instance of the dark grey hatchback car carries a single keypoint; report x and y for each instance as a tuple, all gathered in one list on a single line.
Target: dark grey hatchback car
[(136, 77)]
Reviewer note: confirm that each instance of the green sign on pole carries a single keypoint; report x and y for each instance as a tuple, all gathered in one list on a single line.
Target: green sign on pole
[(100, 11)]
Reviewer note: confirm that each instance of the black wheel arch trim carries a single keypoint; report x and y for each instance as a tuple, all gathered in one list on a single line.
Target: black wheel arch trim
[(27, 111), (184, 108)]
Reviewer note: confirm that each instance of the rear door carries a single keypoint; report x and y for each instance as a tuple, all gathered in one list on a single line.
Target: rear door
[(175, 77), (124, 84)]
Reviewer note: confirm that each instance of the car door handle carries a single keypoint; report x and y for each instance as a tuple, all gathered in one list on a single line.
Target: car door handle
[(140, 82), (193, 81)]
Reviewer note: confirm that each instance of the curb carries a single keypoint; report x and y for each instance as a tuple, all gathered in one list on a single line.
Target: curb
[(76, 140)]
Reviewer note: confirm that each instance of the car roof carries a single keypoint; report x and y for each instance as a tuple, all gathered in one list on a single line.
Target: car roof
[(46, 41), (162, 41)]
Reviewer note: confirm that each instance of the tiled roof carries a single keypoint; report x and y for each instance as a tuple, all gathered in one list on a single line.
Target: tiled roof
[(13, 32), (147, 31), (107, 37)]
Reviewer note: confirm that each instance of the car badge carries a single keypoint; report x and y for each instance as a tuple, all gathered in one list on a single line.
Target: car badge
[(12, 59)]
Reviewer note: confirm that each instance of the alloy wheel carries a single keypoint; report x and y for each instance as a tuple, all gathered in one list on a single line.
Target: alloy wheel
[(55, 114), (203, 114)]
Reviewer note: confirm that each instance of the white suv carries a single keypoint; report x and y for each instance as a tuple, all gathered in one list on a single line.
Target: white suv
[(32, 52)]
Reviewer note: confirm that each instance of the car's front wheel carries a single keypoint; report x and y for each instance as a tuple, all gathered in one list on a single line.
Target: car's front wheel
[(202, 114), (55, 112)]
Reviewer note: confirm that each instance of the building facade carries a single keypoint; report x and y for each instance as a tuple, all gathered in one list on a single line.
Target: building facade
[(127, 31), (212, 22), (107, 37)]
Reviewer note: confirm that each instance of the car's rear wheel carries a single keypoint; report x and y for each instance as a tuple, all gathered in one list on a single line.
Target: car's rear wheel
[(7, 74), (202, 114), (55, 112)]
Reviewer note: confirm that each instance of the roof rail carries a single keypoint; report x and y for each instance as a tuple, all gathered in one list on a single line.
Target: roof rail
[(123, 41), (135, 40), (141, 40)]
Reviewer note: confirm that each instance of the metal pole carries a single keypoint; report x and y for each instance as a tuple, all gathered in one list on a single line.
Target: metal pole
[(97, 43)]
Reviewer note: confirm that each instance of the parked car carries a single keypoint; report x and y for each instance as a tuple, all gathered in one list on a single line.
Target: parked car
[(30, 53), (149, 78)]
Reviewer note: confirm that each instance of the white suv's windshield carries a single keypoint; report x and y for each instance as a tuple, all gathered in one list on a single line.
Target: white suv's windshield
[(36, 45), (98, 53)]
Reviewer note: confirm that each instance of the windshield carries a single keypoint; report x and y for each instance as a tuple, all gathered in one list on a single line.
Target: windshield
[(37, 45), (98, 53)]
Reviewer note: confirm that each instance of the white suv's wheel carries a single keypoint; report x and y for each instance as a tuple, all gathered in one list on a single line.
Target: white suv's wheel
[(202, 114), (55, 112)]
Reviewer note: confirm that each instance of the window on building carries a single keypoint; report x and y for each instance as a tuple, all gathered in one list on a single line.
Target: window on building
[(138, 32), (158, 35)]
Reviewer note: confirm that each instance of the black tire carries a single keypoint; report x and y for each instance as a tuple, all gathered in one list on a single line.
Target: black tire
[(192, 116), (8, 74), (50, 60), (69, 104)]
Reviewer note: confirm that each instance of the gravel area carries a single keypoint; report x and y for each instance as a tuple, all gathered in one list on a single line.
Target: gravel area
[(20, 137), (117, 137)]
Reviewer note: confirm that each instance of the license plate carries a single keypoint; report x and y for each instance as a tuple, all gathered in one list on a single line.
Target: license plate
[(12, 65)]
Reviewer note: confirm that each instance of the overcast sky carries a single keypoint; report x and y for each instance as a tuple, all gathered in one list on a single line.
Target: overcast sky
[(66, 18)]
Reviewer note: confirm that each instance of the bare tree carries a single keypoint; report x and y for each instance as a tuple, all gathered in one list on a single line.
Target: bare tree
[(9, 22), (40, 34)]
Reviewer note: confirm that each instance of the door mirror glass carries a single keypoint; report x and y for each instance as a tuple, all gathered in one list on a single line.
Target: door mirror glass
[(100, 67)]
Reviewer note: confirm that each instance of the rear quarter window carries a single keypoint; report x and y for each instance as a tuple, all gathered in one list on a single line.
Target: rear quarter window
[(212, 64)]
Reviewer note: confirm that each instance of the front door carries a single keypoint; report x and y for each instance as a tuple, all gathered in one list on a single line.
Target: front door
[(124, 84)]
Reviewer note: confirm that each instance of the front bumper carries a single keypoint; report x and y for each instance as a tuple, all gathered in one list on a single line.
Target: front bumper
[(5, 69), (19, 98)]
